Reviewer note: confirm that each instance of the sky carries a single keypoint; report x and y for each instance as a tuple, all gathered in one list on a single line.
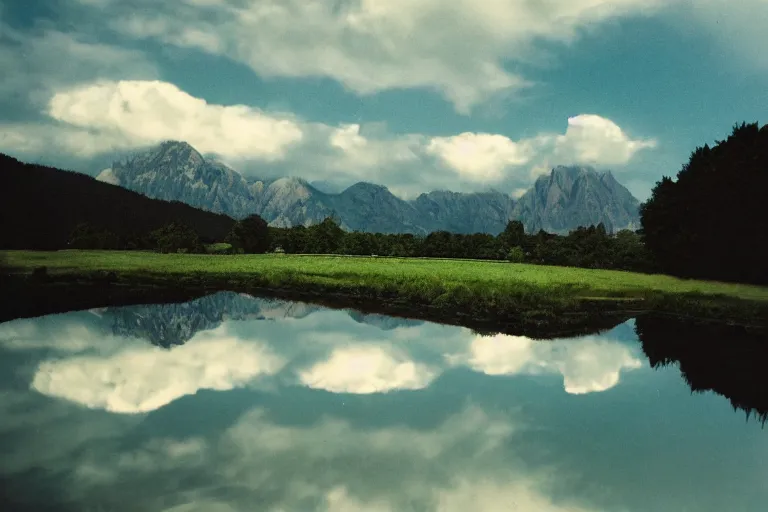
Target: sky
[(416, 95)]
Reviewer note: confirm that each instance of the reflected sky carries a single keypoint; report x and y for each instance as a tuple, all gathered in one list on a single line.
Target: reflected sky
[(233, 403)]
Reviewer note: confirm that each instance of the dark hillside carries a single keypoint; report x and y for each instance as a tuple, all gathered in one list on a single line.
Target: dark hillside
[(41, 206)]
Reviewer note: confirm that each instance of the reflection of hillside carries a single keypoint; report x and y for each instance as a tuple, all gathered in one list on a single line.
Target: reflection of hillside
[(728, 360)]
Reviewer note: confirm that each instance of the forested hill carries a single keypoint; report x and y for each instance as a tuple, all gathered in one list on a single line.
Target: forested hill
[(41, 206)]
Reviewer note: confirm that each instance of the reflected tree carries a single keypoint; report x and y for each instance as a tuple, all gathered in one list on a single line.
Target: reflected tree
[(729, 360)]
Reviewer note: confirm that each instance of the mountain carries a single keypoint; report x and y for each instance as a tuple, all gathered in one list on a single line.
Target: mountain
[(480, 212), (287, 202), (41, 206), (175, 171), (567, 198), (577, 196), (373, 208)]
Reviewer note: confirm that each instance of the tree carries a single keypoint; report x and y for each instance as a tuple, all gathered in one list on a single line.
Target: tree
[(712, 221), (516, 255), (325, 238), (251, 234), (513, 235), (86, 236), (176, 237)]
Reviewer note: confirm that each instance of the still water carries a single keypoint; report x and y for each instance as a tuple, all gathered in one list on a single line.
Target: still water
[(234, 403)]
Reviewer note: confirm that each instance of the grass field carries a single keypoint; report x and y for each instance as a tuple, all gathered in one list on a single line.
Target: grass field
[(475, 285)]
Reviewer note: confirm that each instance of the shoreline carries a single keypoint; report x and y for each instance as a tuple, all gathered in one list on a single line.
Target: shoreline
[(510, 298), (34, 297)]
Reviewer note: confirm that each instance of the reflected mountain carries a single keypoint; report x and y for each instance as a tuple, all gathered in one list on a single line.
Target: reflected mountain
[(167, 325), (383, 322), (729, 360)]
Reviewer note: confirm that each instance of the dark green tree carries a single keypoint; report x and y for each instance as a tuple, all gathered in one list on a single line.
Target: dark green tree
[(176, 237), (250, 234), (86, 236), (712, 222), (516, 255), (512, 236), (326, 237)]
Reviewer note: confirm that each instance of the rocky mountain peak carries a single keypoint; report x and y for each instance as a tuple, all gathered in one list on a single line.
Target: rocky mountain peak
[(175, 171), (563, 199), (573, 196)]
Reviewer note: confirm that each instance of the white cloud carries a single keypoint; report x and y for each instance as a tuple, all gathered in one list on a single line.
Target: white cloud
[(497, 497), (587, 364), (144, 378), (367, 369), (354, 152), (481, 156), (60, 333), (588, 140), (142, 113), (594, 140), (451, 47)]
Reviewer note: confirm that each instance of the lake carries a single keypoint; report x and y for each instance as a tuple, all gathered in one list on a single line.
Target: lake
[(235, 403)]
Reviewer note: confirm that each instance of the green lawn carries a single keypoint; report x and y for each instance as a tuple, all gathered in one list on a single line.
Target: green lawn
[(430, 278)]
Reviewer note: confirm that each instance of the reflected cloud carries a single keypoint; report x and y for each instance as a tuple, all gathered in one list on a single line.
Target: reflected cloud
[(493, 496), (588, 364), (328, 350), (140, 379), (371, 369), (462, 463), (69, 332)]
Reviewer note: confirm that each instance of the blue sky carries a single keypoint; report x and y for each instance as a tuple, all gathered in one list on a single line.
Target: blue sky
[(413, 94)]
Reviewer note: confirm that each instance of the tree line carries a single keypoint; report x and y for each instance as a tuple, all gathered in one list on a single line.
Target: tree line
[(712, 221), (590, 247)]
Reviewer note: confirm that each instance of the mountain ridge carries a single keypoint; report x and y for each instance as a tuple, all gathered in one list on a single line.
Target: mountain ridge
[(566, 198)]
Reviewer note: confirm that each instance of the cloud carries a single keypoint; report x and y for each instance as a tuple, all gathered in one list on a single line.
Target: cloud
[(367, 369), (451, 47), (143, 113), (102, 117), (594, 140), (587, 364), (480, 155), (67, 333), (144, 378)]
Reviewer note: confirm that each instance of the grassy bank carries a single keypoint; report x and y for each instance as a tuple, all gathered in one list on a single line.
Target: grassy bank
[(470, 288)]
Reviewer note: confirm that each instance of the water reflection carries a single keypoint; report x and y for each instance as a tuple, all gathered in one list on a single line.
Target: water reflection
[(235, 403), (729, 360)]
